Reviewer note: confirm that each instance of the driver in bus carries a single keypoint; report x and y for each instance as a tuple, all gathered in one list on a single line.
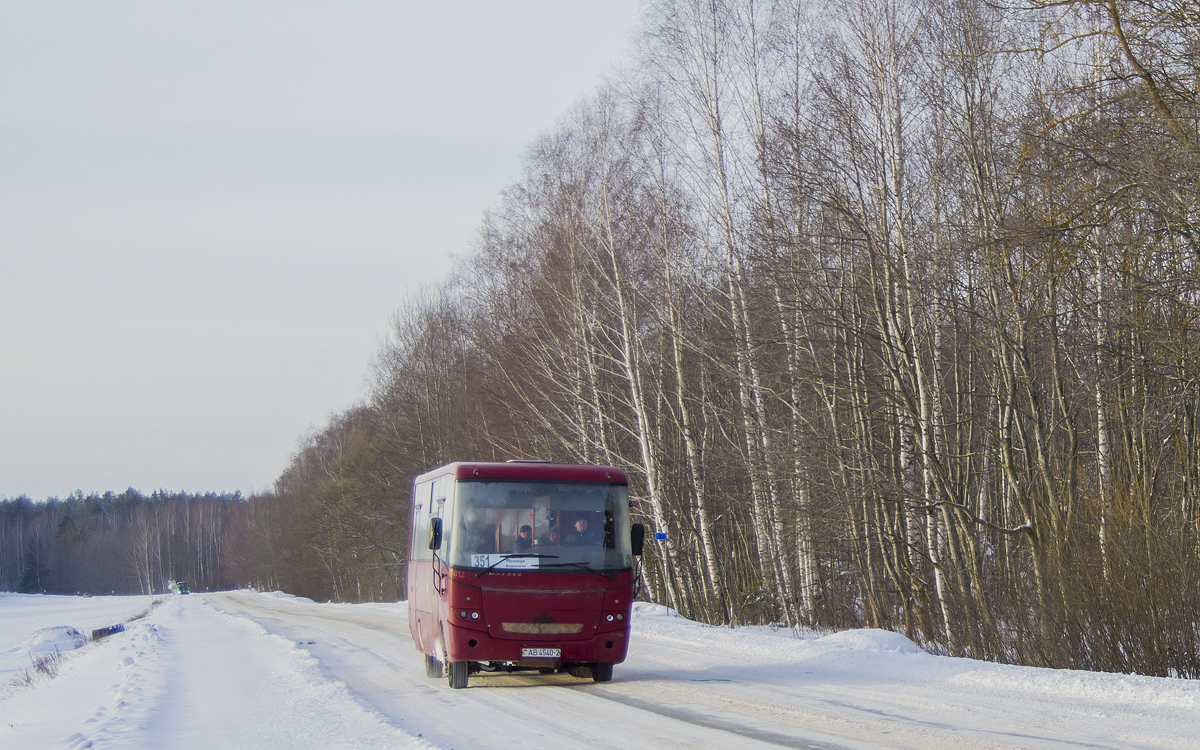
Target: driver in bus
[(583, 535)]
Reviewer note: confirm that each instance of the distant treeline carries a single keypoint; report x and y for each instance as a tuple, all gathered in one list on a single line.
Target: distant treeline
[(125, 543)]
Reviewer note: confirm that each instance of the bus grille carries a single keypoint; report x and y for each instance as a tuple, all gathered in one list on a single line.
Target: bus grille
[(542, 628)]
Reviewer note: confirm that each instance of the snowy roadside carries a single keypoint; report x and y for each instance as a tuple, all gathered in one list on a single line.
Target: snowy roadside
[(883, 673), (882, 657), (186, 676)]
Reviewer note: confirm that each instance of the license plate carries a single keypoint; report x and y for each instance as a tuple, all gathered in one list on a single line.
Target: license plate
[(541, 653)]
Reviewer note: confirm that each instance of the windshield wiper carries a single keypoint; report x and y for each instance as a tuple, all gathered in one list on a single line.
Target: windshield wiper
[(509, 557), (583, 566)]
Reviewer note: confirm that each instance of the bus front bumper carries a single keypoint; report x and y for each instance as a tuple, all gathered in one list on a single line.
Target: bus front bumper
[(469, 644)]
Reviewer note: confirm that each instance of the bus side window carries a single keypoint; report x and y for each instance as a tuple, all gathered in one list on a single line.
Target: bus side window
[(439, 507), (422, 497)]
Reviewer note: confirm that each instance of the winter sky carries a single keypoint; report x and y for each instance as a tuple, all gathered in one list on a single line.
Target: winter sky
[(210, 210)]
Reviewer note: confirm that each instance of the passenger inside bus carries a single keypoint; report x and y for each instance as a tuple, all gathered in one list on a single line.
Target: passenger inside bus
[(524, 538)]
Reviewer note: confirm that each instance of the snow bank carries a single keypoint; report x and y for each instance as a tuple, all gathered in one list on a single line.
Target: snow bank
[(49, 640), (34, 624), (868, 640), (881, 656)]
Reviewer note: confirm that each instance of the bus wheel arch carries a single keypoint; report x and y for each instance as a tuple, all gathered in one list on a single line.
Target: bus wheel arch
[(456, 671), (439, 646)]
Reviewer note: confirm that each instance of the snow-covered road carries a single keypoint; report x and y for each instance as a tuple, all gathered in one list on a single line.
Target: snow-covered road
[(254, 670)]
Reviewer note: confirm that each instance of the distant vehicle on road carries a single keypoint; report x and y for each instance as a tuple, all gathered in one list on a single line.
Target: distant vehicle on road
[(181, 587), (521, 566)]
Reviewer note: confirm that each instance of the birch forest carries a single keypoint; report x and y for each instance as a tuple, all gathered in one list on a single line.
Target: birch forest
[(889, 308)]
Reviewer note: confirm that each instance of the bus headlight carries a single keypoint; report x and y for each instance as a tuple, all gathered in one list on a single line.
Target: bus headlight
[(474, 615), (608, 618)]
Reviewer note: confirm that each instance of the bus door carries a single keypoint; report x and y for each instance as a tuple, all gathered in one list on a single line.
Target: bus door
[(427, 567)]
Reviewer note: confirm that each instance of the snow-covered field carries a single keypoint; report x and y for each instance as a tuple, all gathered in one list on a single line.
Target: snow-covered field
[(251, 670)]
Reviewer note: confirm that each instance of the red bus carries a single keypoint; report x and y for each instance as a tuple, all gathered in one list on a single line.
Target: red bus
[(521, 566)]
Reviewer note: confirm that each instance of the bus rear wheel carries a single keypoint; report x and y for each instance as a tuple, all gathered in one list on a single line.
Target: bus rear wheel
[(602, 671), (433, 667), (458, 674)]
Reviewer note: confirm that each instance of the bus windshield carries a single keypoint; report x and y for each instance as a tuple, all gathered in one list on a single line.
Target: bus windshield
[(540, 525)]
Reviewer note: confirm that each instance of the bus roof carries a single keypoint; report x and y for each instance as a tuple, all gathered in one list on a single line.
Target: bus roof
[(528, 470)]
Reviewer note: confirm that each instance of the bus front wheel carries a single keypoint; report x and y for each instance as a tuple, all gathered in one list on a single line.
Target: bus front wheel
[(602, 671), (458, 674)]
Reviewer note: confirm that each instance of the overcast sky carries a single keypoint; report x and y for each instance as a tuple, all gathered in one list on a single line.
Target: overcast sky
[(210, 210)]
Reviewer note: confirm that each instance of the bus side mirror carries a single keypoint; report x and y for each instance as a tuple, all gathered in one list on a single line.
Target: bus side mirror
[(637, 538), (435, 533)]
